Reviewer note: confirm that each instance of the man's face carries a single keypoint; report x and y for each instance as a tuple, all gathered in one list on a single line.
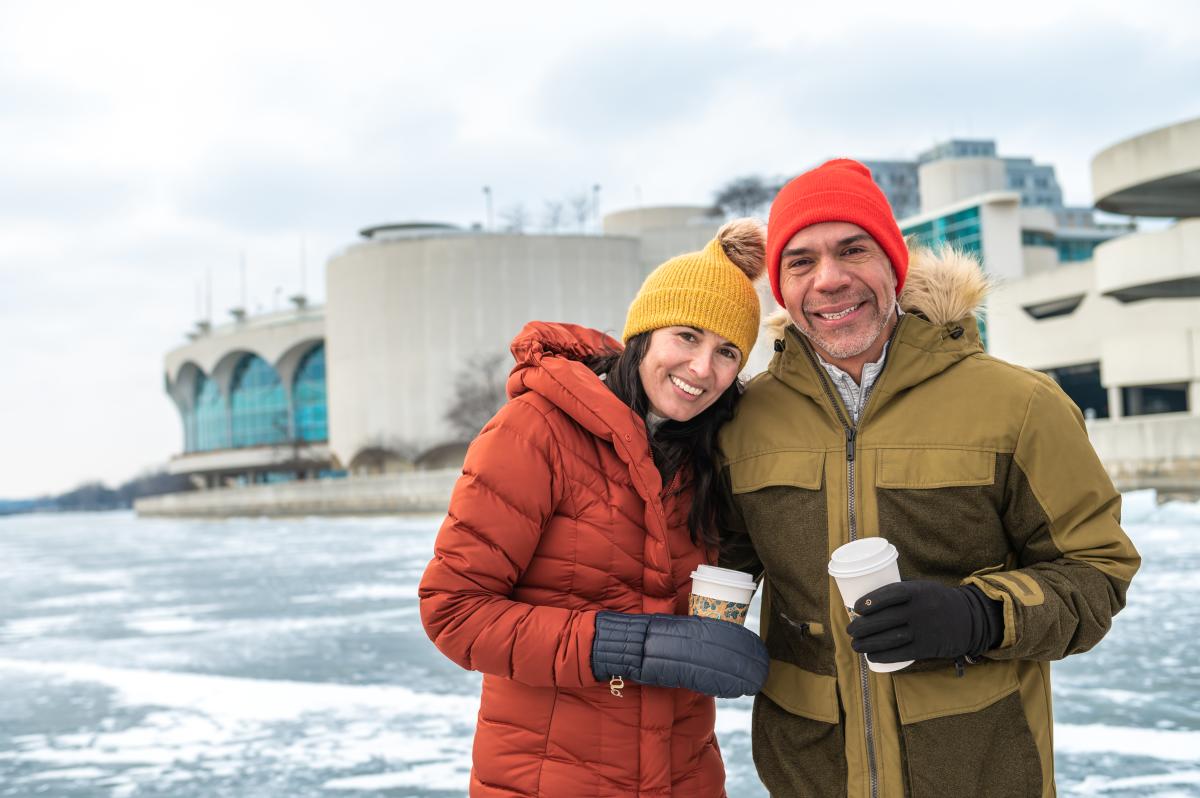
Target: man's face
[(839, 288)]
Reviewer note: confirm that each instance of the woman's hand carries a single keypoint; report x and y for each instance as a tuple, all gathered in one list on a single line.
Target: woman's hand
[(717, 658)]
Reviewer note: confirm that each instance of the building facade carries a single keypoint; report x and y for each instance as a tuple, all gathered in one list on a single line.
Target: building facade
[(1113, 315), (251, 398)]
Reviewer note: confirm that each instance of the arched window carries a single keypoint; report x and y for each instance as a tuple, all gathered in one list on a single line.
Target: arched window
[(210, 422), (258, 403), (308, 396)]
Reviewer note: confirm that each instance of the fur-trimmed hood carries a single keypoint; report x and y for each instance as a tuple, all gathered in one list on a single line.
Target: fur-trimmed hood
[(943, 285)]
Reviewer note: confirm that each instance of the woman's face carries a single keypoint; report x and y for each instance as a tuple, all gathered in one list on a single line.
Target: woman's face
[(685, 369)]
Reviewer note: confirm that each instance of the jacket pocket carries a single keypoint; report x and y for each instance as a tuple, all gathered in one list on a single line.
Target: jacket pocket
[(924, 469), (800, 692), (787, 468), (967, 735), (942, 509)]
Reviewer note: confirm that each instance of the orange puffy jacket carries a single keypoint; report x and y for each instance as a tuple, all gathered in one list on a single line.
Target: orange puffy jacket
[(559, 513)]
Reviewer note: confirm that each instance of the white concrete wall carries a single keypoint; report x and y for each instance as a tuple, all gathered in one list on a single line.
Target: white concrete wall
[(404, 316), (1039, 260), (1171, 150), (1149, 341), (414, 492), (664, 232), (1165, 442), (1000, 230), (1143, 258), (1149, 357), (952, 180)]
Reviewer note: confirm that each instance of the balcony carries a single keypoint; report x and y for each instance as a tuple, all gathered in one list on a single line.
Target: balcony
[(1159, 265), (1154, 174)]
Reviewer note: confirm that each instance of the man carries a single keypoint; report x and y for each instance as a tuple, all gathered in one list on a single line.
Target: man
[(872, 420)]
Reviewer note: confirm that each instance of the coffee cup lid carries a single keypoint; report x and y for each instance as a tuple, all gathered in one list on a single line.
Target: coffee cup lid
[(723, 576), (862, 556)]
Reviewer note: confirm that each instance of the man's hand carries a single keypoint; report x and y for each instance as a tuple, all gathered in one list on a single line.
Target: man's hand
[(925, 620)]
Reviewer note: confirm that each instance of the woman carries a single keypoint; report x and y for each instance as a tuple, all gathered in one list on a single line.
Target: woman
[(563, 568)]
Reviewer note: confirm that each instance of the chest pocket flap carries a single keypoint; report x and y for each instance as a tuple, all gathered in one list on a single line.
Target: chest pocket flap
[(799, 469), (934, 468)]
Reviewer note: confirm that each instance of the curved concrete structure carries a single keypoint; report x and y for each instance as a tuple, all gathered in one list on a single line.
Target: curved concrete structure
[(1153, 174), (282, 340), (406, 316), (635, 221), (1161, 265), (666, 231)]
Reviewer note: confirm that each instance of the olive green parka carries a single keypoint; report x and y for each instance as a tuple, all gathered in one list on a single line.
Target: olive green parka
[(980, 472)]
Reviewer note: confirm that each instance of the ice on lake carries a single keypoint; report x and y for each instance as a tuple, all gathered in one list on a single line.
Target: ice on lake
[(286, 658)]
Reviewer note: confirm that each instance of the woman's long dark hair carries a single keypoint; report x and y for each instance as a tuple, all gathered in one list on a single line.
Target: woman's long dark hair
[(675, 445)]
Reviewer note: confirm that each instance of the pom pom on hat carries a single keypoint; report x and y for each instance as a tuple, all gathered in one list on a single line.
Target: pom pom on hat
[(745, 244), (712, 289)]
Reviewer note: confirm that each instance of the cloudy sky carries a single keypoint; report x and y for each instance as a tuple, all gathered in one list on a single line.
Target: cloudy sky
[(146, 144)]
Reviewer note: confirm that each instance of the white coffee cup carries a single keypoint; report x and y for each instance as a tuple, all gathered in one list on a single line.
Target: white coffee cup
[(859, 567), (721, 593)]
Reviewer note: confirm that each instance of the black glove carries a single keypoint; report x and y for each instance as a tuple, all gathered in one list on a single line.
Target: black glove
[(713, 657), (925, 620)]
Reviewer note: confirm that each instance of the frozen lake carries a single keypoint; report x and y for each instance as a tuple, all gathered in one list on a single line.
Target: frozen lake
[(286, 658)]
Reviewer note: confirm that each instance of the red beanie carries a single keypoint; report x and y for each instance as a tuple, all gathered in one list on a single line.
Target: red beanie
[(836, 191)]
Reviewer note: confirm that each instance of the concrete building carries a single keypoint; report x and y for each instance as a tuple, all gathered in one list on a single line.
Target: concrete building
[(1119, 329), (251, 398), (410, 307), (911, 188)]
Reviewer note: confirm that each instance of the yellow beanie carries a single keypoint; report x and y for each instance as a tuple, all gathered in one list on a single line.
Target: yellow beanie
[(712, 289)]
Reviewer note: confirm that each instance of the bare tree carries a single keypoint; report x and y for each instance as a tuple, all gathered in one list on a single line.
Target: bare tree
[(745, 196), (552, 217), (515, 219), (478, 393), (380, 455), (581, 209)]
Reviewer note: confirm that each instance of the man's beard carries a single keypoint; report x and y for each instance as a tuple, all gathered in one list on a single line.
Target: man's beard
[(843, 347)]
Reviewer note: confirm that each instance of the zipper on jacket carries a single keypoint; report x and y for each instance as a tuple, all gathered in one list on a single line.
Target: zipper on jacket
[(864, 675), (615, 685)]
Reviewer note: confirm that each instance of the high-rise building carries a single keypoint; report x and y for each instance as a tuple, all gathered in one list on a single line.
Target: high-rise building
[(900, 180)]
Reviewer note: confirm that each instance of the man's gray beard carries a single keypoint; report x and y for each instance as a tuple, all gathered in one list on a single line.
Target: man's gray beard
[(840, 354)]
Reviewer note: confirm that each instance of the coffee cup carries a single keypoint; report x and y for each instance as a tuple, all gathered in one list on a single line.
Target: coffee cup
[(721, 593), (859, 567)]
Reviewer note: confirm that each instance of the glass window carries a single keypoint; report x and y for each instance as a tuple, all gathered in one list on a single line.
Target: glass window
[(1144, 400), (961, 229), (258, 403), (210, 419), (1075, 250), (308, 396), (1082, 383)]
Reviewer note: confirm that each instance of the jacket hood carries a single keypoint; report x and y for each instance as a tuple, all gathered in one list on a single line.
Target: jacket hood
[(539, 339), (944, 285), (550, 364)]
